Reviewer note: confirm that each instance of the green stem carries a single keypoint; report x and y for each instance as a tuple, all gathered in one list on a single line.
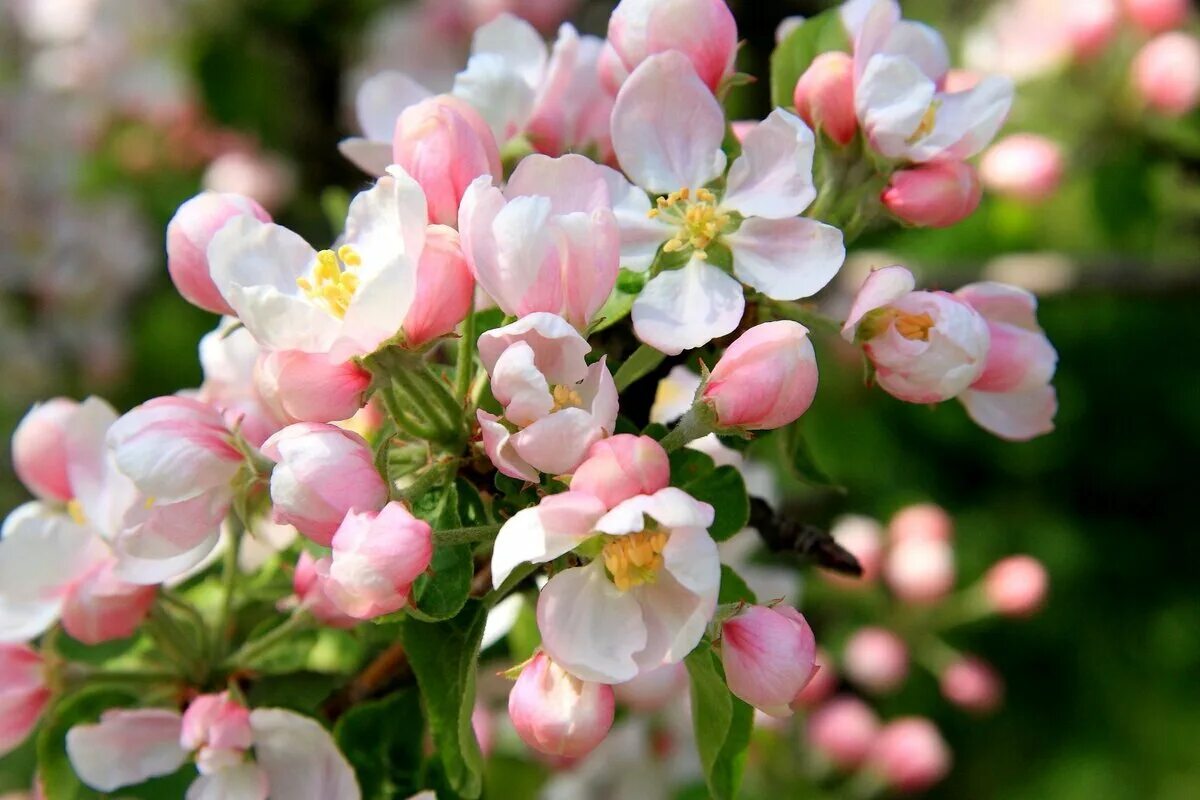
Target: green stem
[(451, 408), (251, 650), (465, 367), (229, 576), (431, 477), (478, 533), (415, 394), (696, 423), (639, 365)]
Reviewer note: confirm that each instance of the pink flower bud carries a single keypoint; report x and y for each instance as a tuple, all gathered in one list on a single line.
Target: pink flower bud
[(1016, 586), (920, 570), (310, 387), (309, 585), (824, 96), (376, 558), (924, 521), (766, 379), (1156, 16), (1024, 165), (653, 689), (769, 656), (843, 731), (622, 467), (484, 729), (23, 694), (824, 682), (934, 195), (445, 288), (39, 449), (100, 607), (1166, 73), (971, 683), (556, 713), (218, 727), (910, 754), (876, 659), (322, 472), (1091, 25), (703, 30), (188, 235), (444, 144), (863, 538)]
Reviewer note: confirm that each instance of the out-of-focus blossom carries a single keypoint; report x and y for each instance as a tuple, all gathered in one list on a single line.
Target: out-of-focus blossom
[(1024, 165), (217, 729), (973, 684), (39, 449), (765, 379), (229, 357), (556, 713), (653, 689), (824, 96), (704, 31), (862, 537), (768, 655), (935, 195), (1016, 586), (1157, 16), (188, 235), (1024, 39), (824, 682), (263, 177), (909, 754), (23, 694), (920, 570), (876, 659), (843, 731), (1166, 73), (921, 521), (309, 585)]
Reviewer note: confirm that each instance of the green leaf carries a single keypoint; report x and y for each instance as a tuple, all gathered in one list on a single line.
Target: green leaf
[(618, 304), (725, 491), (721, 721), (734, 588), (798, 458), (441, 592), (688, 466), (640, 363), (299, 691), (791, 58), (472, 510), (382, 741), (444, 657)]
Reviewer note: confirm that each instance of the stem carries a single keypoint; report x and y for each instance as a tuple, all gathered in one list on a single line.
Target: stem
[(229, 576), (251, 650), (465, 368), (172, 642), (191, 613), (696, 423), (639, 365), (428, 479), (479, 533), (415, 394), (79, 675)]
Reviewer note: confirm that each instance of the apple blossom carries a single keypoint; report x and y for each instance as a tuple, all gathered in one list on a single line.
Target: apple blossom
[(376, 557), (774, 251), (703, 31), (23, 694), (1156, 16), (926, 346), (217, 729), (824, 96), (322, 473), (921, 521), (445, 288), (653, 689), (548, 241), (188, 236), (876, 659), (1166, 73), (100, 607), (973, 684), (556, 713), (1013, 397), (765, 379), (768, 655), (558, 404), (909, 754), (229, 357), (920, 570), (1016, 586), (39, 449), (310, 587), (935, 195), (379, 102), (824, 682), (862, 537), (1024, 165), (572, 109), (622, 467), (309, 387), (843, 730)]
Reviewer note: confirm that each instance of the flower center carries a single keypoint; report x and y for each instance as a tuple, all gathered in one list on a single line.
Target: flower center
[(333, 280), (75, 511), (911, 326), (698, 218), (635, 559), (565, 397), (927, 123)]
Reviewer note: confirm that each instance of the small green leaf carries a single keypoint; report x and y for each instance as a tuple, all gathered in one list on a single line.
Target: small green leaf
[(441, 592), (382, 741), (798, 458), (791, 58), (725, 491), (617, 306), (444, 657), (472, 510), (688, 466), (734, 588), (721, 721), (640, 363)]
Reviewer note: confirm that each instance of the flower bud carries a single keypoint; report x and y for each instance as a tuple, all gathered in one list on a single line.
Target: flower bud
[(910, 754), (322, 472), (622, 467), (934, 195), (924, 521), (100, 607), (862, 537), (876, 659), (556, 713), (766, 379), (23, 694), (1091, 25), (769, 656), (824, 96), (702, 30), (218, 727), (653, 689), (1016, 586), (445, 288), (843, 731), (309, 585), (1166, 73), (484, 728), (188, 235), (1024, 166), (920, 570), (1156, 16), (971, 683), (444, 144), (824, 682), (309, 387), (376, 558), (39, 449)]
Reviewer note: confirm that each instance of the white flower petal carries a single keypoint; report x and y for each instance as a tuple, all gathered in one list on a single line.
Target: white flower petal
[(245, 781), (517, 42), (641, 234), (503, 97), (689, 307), (558, 348), (786, 259), (773, 176), (891, 99), (558, 443), (498, 444), (882, 287), (300, 758), (691, 558), (371, 157), (126, 748), (590, 627), (670, 507), (536, 535), (967, 121), (1017, 416), (675, 619), (520, 387), (380, 100)]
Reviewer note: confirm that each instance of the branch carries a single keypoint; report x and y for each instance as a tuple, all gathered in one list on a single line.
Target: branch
[(783, 535)]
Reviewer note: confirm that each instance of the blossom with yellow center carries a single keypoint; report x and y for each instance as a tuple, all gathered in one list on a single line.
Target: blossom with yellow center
[(699, 219), (914, 327), (927, 123), (566, 397), (333, 280), (635, 559), (75, 511)]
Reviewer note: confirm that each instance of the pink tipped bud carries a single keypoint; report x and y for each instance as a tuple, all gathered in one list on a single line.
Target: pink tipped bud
[(1091, 25), (843, 731), (556, 713), (769, 656), (218, 727), (444, 144), (188, 235), (1024, 166), (876, 659), (824, 682), (702, 30), (863, 538), (23, 694), (920, 570), (445, 288), (308, 387), (766, 379), (39, 449), (322, 472), (824, 96), (935, 195), (1166, 73), (971, 683), (621, 467), (100, 607), (910, 754), (308, 582), (653, 689), (921, 521), (1156, 16), (1016, 586), (376, 558)]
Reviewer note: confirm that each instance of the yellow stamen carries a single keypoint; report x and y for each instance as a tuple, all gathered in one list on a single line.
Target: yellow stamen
[(927, 123), (699, 219), (910, 326), (566, 397), (75, 510), (333, 280), (635, 559)]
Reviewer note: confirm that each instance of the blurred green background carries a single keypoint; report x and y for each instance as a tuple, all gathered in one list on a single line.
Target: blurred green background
[(1103, 687)]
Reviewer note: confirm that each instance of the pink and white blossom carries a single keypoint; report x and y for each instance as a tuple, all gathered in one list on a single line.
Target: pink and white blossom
[(765, 379), (703, 31), (1025, 166), (1157, 16), (843, 731), (39, 451), (445, 288), (309, 583), (23, 694), (824, 96), (909, 754), (621, 467), (556, 713), (920, 570), (309, 387), (1016, 586), (188, 235), (769, 657), (973, 684), (876, 659), (1166, 73), (935, 195), (229, 357)]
